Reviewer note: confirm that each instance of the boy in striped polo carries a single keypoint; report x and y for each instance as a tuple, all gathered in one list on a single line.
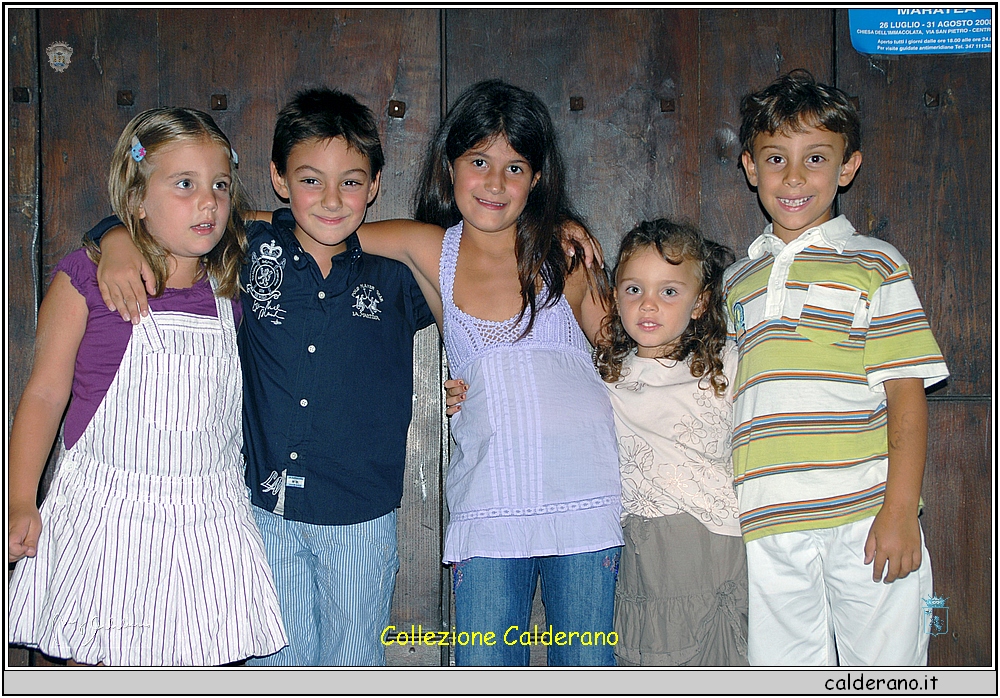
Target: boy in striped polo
[(830, 416)]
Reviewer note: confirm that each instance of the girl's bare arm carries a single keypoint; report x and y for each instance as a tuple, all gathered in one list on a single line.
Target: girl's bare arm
[(417, 245), (581, 290), (62, 320)]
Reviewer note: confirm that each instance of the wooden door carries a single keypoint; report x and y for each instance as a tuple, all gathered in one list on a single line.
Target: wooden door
[(240, 66), (646, 106)]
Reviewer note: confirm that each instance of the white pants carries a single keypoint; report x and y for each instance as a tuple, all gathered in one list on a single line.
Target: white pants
[(813, 602)]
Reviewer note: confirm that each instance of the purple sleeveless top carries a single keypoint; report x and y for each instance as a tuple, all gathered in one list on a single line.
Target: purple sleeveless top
[(107, 335), (535, 467)]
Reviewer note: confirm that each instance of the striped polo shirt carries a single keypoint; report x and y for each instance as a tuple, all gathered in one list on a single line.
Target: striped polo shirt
[(819, 323)]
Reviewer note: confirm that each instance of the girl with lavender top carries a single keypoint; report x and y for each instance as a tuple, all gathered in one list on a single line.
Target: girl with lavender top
[(532, 488)]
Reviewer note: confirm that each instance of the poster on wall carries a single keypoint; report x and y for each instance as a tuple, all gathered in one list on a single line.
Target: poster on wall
[(922, 30)]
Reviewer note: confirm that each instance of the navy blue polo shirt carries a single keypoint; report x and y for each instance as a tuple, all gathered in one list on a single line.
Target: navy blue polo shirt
[(327, 377)]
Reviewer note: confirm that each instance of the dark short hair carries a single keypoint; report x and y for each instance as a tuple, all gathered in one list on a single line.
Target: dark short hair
[(795, 101), (323, 113)]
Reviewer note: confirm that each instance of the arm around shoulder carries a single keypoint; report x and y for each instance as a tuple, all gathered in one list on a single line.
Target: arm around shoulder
[(417, 245), (589, 304), (123, 276)]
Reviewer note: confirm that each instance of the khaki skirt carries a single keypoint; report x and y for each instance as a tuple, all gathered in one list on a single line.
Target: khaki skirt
[(681, 598)]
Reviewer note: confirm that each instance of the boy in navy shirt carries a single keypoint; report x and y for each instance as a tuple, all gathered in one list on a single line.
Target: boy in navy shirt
[(326, 344)]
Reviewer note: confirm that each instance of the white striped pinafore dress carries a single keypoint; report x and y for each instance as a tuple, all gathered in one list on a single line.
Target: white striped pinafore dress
[(149, 555)]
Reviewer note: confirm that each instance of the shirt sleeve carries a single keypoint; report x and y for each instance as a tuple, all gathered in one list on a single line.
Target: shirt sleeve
[(101, 349), (106, 224), (899, 343), (421, 312)]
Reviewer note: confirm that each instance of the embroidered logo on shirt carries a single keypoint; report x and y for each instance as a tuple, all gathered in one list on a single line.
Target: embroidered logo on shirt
[(272, 485), (295, 481), (266, 273), (738, 321), (366, 300)]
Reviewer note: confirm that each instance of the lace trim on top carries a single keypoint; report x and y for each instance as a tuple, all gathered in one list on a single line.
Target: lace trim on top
[(468, 337)]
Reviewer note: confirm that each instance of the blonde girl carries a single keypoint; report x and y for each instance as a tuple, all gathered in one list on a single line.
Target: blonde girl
[(144, 552)]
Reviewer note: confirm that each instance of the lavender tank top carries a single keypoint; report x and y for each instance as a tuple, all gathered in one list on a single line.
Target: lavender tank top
[(534, 467)]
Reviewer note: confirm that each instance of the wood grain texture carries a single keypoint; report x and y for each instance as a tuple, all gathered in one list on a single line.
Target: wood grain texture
[(626, 160), (23, 235), (80, 119), (959, 526), (740, 51), (264, 57), (22, 219), (924, 186)]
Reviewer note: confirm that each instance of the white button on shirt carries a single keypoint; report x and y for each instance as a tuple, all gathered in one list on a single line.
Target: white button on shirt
[(784, 255)]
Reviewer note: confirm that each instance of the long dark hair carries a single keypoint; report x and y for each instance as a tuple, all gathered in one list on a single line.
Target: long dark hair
[(701, 344), (485, 111)]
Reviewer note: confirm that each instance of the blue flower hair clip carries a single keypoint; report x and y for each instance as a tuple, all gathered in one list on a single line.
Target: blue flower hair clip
[(236, 158), (138, 152)]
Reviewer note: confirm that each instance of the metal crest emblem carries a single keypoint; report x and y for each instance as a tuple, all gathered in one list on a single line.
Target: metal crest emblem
[(59, 53)]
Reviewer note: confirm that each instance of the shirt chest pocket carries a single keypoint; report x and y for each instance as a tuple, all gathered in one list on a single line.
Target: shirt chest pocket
[(183, 392), (828, 313)]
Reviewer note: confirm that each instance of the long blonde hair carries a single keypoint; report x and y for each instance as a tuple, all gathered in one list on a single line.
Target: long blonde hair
[(155, 129)]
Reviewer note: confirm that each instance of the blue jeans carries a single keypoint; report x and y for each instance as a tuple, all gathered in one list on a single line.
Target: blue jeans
[(495, 595), (334, 586)]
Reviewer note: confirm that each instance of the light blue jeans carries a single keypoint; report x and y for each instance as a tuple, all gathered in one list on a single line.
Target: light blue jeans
[(495, 595), (334, 586)]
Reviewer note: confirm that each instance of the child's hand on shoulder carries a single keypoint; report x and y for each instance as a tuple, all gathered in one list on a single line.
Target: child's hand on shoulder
[(592, 251), (893, 542), (455, 389), (124, 277), (24, 524)]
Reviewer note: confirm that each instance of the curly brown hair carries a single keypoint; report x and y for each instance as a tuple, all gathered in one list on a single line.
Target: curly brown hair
[(701, 344)]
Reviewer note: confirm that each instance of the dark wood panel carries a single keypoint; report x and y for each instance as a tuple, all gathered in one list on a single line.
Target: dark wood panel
[(23, 241), (22, 216), (743, 50), (375, 55), (626, 159), (959, 528), (924, 186), (113, 50)]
